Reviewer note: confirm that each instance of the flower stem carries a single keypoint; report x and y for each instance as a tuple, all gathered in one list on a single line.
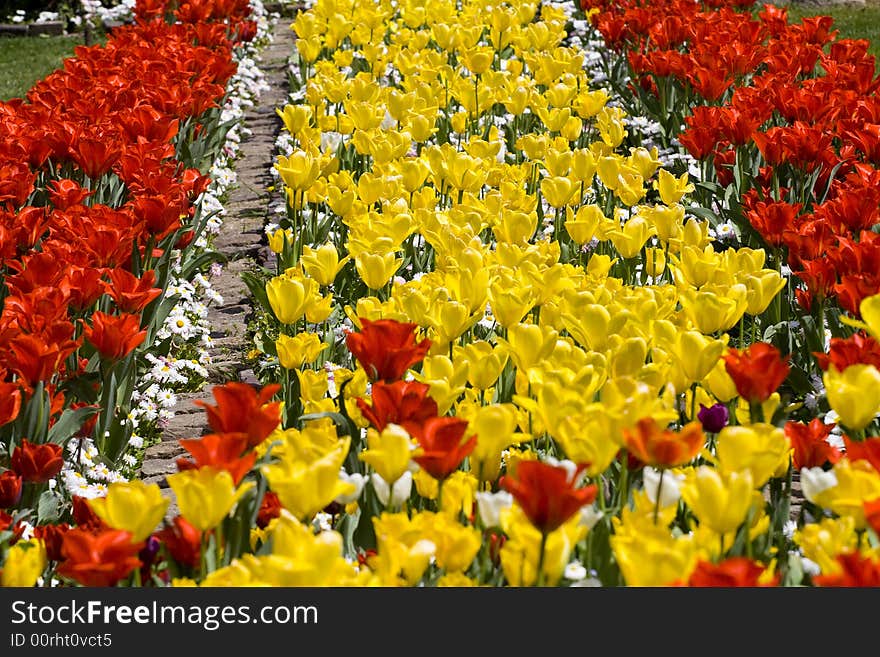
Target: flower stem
[(541, 551), (657, 501)]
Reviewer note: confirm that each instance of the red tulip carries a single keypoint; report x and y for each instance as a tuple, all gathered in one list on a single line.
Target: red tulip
[(241, 409), (843, 352), (443, 447), (270, 508), (222, 451), (183, 541), (863, 450), (810, 444), (115, 336), (85, 287), (66, 193), (10, 489), (547, 493), (856, 570), (95, 156), (132, 294), (84, 517), (872, 514), (732, 572), (757, 371), (10, 402), (405, 403), (6, 524), (661, 447), (37, 463), (386, 348), (53, 538), (98, 559)]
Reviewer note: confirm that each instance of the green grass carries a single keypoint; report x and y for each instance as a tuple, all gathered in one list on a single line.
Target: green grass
[(27, 59), (852, 22)]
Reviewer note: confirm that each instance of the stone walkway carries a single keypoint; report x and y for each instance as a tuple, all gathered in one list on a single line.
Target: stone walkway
[(241, 240)]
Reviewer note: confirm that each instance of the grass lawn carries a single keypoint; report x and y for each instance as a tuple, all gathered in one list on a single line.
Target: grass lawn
[(852, 22), (25, 60)]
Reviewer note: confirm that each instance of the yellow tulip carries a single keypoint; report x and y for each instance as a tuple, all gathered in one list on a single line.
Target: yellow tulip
[(313, 384), (278, 239), (521, 552), (822, 541), (404, 551), (667, 220), (760, 449), (528, 344), (305, 487), (672, 188), (319, 309), (609, 121), (719, 383), (653, 558), (289, 297), (294, 352), (588, 103), (720, 502), (857, 482), (376, 270), (510, 300), (712, 311), (206, 495), (583, 226), (455, 545), (323, 263), (854, 394), (389, 453), (762, 287), (484, 363), (25, 563), (495, 427), (298, 171), (132, 506), (558, 190), (630, 240), (295, 117)]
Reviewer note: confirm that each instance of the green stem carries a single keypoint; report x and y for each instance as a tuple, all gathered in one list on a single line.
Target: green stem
[(657, 501), (541, 551)]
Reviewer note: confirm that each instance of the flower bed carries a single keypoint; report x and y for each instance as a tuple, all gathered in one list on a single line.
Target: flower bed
[(108, 220), (513, 335)]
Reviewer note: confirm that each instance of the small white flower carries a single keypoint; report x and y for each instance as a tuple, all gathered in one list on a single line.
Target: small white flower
[(324, 522), (575, 571)]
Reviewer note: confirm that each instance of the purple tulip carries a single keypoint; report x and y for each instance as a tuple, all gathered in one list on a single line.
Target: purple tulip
[(714, 418)]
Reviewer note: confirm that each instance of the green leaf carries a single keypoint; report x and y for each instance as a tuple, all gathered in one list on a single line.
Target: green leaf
[(47, 508), (704, 213), (200, 261), (69, 423), (347, 528), (257, 286)]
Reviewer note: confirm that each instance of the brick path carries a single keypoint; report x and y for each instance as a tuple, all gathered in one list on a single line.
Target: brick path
[(241, 241)]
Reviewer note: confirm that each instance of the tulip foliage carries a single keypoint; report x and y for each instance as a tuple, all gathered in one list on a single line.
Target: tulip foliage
[(520, 329)]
